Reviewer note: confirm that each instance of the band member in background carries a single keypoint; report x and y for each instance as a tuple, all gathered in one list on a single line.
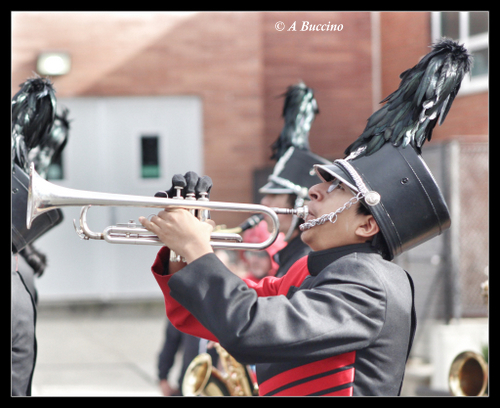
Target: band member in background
[(341, 321), (260, 264), (39, 134), (293, 174)]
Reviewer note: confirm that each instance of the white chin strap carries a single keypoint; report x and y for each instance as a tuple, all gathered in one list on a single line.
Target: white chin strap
[(332, 217)]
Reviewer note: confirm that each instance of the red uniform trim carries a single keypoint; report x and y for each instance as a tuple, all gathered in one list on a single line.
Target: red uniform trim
[(272, 286), (346, 392), (309, 370), (177, 314)]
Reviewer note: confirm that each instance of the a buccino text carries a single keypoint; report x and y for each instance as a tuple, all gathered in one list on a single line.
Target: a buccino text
[(306, 26)]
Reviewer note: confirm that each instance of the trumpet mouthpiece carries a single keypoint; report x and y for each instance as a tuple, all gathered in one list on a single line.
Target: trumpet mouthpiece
[(300, 212)]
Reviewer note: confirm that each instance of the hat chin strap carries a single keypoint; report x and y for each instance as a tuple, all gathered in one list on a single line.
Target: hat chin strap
[(332, 217)]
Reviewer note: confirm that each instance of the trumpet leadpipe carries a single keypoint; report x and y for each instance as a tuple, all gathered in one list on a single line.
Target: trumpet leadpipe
[(256, 218), (140, 236)]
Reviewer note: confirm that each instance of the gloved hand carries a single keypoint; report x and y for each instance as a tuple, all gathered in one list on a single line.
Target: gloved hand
[(189, 185), (179, 230)]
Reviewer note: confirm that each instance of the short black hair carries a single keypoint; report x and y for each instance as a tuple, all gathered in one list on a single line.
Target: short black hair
[(362, 209)]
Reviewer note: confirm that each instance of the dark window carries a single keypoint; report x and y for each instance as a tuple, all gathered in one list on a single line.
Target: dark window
[(469, 27), (150, 165), (450, 24)]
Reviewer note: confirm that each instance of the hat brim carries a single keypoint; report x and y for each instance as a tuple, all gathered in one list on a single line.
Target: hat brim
[(327, 172), (272, 188)]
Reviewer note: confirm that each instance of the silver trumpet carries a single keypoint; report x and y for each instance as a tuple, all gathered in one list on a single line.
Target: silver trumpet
[(44, 196)]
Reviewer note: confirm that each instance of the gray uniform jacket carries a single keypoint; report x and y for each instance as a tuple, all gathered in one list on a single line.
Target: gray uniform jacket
[(338, 323)]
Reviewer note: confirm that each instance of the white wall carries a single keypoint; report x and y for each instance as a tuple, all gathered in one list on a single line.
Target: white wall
[(103, 155)]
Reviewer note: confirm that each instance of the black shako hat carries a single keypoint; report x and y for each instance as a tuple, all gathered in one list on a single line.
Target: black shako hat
[(384, 165), (293, 172), (400, 192)]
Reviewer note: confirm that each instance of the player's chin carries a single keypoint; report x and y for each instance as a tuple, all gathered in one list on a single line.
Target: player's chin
[(307, 237)]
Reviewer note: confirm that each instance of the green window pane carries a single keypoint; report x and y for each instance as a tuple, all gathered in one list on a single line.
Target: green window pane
[(150, 165)]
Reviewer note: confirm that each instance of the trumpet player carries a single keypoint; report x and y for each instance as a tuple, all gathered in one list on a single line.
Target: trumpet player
[(341, 321), (342, 326)]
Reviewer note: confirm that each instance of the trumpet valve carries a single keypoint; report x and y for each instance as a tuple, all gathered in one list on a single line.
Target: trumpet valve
[(178, 192), (178, 195), (204, 214), (191, 197)]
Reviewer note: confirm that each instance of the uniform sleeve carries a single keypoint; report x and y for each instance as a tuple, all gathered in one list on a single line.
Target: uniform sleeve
[(178, 315), (340, 312)]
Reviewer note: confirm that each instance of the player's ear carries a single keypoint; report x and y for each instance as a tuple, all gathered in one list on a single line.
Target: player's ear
[(368, 227)]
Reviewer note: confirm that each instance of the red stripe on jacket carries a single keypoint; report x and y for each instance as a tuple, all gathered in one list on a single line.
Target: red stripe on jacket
[(312, 369)]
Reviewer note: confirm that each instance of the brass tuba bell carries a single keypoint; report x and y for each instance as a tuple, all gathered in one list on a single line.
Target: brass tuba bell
[(203, 379), (468, 375)]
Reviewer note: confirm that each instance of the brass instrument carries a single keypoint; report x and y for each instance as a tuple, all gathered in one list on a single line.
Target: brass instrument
[(203, 379), (469, 370), (44, 196), (468, 375)]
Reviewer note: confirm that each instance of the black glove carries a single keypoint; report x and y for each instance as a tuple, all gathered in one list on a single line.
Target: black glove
[(34, 258), (189, 185)]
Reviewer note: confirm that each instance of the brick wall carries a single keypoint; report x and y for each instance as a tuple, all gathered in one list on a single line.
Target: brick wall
[(336, 64), (214, 55), (237, 62)]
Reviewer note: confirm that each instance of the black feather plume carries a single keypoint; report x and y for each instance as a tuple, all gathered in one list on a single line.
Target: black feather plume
[(51, 147), (34, 110), (424, 98), (299, 111)]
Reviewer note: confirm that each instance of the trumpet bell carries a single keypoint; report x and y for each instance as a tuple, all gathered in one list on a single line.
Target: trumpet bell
[(468, 374)]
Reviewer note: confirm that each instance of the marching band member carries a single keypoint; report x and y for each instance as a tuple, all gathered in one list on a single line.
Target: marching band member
[(293, 174), (341, 321), (39, 134), (260, 264)]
